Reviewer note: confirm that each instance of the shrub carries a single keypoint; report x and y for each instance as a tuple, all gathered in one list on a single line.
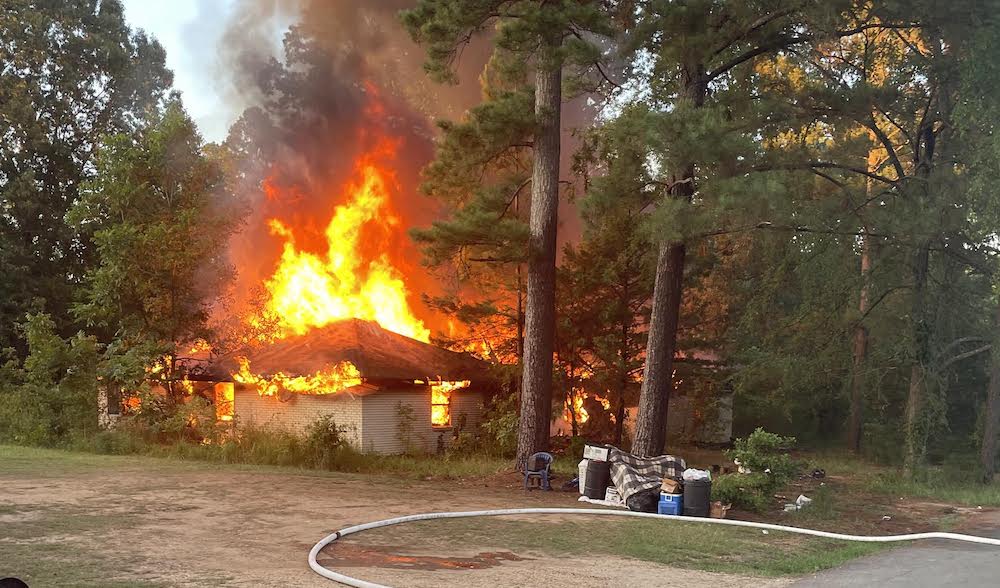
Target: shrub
[(53, 397), (770, 468), (464, 444), (762, 451), (746, 491), (405, 421), (575, 448), (500, 427), (325, 444)]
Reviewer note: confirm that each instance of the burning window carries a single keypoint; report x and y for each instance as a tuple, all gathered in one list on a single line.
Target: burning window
[(440, 406), (441, 401), (224, 395)]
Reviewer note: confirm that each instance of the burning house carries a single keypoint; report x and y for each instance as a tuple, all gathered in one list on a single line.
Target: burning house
[(389, 392)]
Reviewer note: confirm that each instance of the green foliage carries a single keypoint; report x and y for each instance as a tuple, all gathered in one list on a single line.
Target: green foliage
[(746, 491), (770, 468), (762, 451), (157, 214), (72, 72), (405, 422), (325, 443), (500, 427), (52, 398), (575, 447)]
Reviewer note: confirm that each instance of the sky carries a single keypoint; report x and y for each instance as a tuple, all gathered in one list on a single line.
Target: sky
[(190, 30)]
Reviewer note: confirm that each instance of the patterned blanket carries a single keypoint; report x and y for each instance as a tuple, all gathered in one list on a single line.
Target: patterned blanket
[(632, 474)]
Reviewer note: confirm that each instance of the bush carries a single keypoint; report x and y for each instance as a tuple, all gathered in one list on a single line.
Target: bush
[(747, 491), (325, 444), (770, 468), (52, 398), (464, 444), (575, 447), (500, 427)]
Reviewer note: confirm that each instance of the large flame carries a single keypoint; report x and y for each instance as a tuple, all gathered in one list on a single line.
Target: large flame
[(328, 381), (310, 290)]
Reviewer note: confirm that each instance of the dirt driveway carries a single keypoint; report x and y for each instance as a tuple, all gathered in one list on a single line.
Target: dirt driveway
[(68, 519)]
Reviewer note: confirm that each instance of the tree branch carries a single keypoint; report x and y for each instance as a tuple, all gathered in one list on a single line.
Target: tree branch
[(965, 355)]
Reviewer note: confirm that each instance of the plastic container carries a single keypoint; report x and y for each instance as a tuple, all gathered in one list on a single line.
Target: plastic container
[(582, 474), (697, 494), (595, 482), (670, 504)]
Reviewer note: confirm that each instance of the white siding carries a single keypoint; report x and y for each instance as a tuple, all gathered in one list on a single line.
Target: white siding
[(300, 411), (372, 420), (381, 418), (380, 433), (469, 403)]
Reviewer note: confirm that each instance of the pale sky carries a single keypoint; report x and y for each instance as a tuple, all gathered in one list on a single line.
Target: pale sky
[(189, 30)]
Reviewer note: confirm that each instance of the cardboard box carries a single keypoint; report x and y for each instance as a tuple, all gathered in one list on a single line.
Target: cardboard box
[(670, 486), (596, 452)]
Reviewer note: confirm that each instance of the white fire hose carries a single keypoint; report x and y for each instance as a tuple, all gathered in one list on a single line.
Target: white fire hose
[(351, 581)]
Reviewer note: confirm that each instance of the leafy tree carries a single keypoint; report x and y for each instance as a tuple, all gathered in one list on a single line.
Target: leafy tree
[(539, 40), (53, 396), (72, 71), (159, 214)]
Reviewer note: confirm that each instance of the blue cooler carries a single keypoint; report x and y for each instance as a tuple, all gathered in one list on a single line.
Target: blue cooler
[(670, 504)]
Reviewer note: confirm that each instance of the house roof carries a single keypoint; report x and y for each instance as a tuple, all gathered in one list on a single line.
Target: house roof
[(376, 352)]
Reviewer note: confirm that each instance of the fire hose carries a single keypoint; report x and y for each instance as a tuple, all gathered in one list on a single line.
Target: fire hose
[(358, 583)]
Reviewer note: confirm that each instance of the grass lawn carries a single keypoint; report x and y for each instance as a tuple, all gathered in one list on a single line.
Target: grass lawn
[(949, 485), (695, 546)]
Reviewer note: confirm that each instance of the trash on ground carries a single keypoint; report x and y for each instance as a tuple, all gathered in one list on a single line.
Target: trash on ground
[(612, 495), (719, 510), (803, 501)]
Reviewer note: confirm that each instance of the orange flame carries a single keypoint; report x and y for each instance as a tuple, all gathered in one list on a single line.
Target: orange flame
[(328, 381), (577, 408), (309, 290), (441, 401)]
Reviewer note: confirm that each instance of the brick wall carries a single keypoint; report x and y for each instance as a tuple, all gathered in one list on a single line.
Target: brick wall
[(250, 408), (373, 419)]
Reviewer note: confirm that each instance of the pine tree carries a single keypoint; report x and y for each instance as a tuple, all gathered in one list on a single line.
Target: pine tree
[(536, 41), (699, 112)]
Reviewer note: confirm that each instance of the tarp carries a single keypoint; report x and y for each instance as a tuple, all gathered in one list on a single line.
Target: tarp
[(631, 473)]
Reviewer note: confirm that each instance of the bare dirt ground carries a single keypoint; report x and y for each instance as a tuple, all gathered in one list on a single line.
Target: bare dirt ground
[(161, 522)]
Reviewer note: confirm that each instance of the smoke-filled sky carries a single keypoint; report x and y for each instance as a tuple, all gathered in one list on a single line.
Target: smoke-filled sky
[(190, 31)]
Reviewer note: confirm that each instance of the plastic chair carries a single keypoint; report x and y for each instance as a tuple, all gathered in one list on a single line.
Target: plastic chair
[(540, 460)]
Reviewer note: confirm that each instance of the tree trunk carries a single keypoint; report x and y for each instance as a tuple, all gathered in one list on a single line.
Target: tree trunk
[(539, 324), (918, 377), (860, 350), (657, 376), (571, 396), (988, 452), (622, 378)]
